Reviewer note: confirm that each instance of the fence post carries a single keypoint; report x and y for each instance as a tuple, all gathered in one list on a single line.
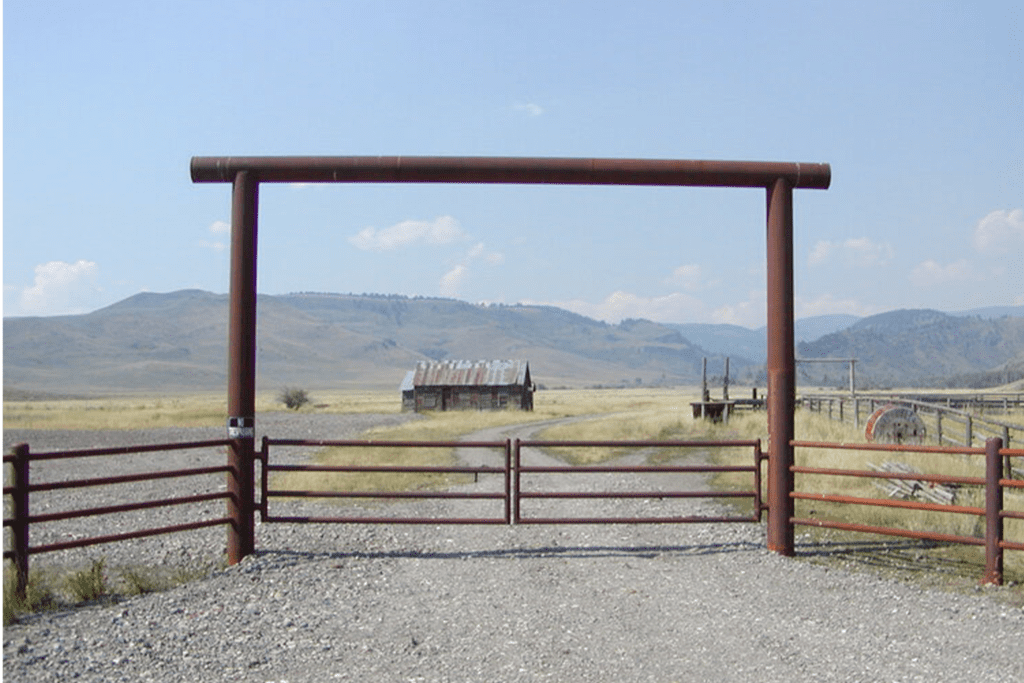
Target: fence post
[(856, 413), (993, 513), (968, 432), (242, 368), (19, 526), (508, 481), (1008, 471), (938, 425), (516, 463), (781, 366)]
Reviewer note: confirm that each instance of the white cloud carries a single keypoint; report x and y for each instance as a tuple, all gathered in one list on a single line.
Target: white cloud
[(827, 304), (1000, 231), (687, 276), (859, 252), (528, 108), (217, 228), (862, 252), (61, 289), (820, 253), (750, 313), (675, 307), (452, 281), (930, 273), (442, 230)]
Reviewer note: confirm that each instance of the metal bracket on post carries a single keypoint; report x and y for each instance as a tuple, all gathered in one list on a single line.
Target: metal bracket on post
[(241, 428)]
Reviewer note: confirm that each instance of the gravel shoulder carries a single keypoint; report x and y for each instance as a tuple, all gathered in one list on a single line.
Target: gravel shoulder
[(522, 603)]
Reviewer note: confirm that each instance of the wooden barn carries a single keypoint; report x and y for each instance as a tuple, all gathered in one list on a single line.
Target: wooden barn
[(468, 385)]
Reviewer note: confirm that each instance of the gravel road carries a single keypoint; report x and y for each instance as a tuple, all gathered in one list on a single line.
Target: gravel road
[(498, 603)]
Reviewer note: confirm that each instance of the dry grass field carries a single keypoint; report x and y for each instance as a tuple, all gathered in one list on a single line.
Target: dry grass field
[(614, 414)]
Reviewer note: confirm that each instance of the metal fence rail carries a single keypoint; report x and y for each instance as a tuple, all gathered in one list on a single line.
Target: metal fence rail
[(268, 493), (754, 494), (993, 513), (515, 490), (22, 487), (948, 421)]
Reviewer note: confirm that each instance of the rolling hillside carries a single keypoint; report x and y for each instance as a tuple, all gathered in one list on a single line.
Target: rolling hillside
[(924, 348), (178, 342)]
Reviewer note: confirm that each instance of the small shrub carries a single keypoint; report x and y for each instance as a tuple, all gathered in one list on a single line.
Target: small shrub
[(294, 398), (88, 584), (38, 596), (139, 582)]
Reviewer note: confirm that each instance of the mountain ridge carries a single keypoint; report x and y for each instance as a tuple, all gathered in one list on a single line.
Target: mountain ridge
[(176, 341)]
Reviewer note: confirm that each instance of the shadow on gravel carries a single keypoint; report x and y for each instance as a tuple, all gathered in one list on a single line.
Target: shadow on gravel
[(909, 556), (647, 552)]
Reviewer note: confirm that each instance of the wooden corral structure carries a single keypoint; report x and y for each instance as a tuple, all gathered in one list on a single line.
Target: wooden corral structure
[(468, 385)]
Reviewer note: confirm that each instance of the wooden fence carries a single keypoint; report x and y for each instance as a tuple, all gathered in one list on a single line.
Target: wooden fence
[(953, 420)]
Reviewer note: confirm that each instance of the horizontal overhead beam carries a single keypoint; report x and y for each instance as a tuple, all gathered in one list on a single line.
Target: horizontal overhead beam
[(511, 170)]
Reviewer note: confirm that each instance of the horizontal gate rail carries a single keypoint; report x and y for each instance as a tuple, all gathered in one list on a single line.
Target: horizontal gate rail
[(22, 487), (268, 493), (520, 469), (994, 483)]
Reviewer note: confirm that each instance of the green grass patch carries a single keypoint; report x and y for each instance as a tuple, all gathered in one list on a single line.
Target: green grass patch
[(54, 588)]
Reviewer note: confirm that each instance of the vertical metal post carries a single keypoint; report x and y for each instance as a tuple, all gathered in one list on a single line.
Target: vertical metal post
[(1008, 471), (19, 525), (781, 366), (508, 481), (516, 483), (853, 383), (758, 503), (993, 513), (242, 367), (264, 459)]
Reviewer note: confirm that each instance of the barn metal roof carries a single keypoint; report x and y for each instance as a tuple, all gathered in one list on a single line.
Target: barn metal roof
[(467, 373)]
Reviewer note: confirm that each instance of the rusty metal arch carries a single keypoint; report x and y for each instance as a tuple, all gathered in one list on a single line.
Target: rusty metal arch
[(778, 179)]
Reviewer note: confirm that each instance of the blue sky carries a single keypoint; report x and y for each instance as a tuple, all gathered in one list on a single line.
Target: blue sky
[(918, 107)]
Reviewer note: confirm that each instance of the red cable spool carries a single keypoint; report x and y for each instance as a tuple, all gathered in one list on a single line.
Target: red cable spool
[(895, 424)]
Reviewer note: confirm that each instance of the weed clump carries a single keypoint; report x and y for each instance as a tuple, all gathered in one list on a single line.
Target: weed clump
[(293, 399)]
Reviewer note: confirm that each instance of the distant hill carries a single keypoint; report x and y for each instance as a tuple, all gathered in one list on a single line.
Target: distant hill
[(177, 341), (923, 348), (751, 345)]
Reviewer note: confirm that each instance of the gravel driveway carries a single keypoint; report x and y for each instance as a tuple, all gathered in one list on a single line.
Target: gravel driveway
[(497, 603)]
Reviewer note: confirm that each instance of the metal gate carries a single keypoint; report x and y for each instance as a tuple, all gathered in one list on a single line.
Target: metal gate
[(518, 483)]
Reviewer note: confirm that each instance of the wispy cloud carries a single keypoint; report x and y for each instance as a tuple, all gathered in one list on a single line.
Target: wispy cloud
[(619, 305), (528, 108), (217, 228), (827, 304), (689, 277), (930, 273), (821, 252), (1000, 231), (749, 313), (860, 252), (61, 288), (441, 230), (452, 281)]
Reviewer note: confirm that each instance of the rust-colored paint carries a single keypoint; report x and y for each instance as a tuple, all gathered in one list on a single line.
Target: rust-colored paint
[(777, 178), (781, 366), (511, 170)]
